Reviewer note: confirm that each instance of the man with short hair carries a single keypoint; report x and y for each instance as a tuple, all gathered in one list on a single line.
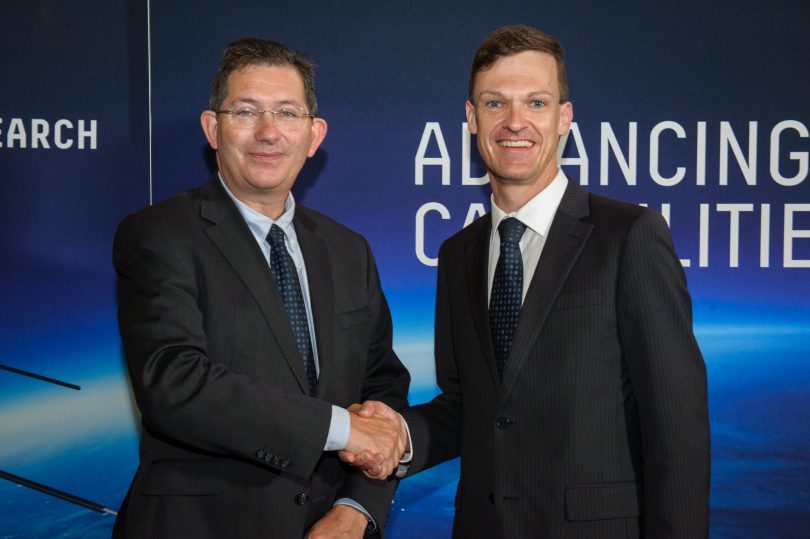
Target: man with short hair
[(248, 324), (572, 385)]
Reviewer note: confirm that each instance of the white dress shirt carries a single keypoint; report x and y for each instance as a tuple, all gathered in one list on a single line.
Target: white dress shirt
[(537, 215)]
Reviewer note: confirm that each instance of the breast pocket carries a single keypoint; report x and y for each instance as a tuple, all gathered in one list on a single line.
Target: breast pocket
[(351, 319), (352, 340), (578, 300)]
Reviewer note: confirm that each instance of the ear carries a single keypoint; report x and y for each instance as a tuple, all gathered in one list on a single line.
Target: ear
[(471, 125), (208, 120), (319, 128), (566, 117)]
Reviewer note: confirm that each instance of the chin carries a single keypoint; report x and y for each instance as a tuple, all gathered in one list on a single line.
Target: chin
[(517, 176), (267, 182)]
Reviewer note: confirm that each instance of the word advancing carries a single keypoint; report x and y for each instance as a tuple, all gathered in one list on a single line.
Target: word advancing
[(786, 166)]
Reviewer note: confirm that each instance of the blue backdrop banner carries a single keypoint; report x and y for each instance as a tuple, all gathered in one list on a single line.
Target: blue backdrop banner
[(697, 109)]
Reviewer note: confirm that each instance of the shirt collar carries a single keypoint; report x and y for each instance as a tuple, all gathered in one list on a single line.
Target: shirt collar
[(260, 224), (539, 211)]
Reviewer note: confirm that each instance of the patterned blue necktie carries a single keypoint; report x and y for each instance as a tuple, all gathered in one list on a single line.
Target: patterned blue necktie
[(283, 268), (507, 290)]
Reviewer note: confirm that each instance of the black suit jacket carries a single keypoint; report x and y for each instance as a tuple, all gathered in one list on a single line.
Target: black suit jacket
[(600, 427), (232, 445)]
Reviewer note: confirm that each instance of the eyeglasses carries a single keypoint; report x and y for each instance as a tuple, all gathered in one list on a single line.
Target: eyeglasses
[(286, 117)]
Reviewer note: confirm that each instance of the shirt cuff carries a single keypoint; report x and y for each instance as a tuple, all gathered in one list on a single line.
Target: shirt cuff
[(339, 428), (372, 524), (407, 457)]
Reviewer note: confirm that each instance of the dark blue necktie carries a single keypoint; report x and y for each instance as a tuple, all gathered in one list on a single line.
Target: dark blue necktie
[(507, 290), (283, 268)]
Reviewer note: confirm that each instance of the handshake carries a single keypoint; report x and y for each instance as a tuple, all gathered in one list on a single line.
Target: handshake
[(377, 441)]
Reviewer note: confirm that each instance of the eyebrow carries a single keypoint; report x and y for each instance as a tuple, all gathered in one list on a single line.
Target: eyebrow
[(490, 93), (274, 104), (530, 95)]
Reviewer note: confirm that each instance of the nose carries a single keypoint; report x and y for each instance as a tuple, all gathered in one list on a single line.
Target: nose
[(267, 128), (514, 119)]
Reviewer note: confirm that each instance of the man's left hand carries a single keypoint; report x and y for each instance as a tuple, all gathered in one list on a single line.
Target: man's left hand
[(341, 522)]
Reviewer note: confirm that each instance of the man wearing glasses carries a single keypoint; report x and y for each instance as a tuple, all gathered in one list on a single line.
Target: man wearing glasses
[(249, 323)]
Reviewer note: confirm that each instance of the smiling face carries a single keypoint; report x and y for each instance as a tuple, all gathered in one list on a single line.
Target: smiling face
[(518, 119), (260, 163)]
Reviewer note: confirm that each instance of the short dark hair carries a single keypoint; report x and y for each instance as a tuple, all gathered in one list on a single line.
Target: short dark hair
[(251, 51), (510, 40)]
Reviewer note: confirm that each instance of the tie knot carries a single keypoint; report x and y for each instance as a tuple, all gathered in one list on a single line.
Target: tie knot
[(276, 236), (511, 230)]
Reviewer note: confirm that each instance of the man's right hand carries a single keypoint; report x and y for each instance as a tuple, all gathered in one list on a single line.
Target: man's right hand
[(377, 439)]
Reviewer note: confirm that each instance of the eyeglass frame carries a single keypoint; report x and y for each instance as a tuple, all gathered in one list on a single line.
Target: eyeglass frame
[(274, 113)]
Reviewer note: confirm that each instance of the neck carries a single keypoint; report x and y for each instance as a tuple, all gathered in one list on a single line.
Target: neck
[(272, 209), (511, 196), (269, 203)]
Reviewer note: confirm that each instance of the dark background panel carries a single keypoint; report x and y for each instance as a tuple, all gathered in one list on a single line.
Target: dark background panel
[(384, 72)]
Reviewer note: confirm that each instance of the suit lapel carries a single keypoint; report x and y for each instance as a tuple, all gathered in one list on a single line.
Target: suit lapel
[(566, 238), (231, 235), (477, 257), (321, 294)]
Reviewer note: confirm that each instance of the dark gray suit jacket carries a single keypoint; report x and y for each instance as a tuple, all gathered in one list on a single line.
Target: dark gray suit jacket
[(600, 427), (232, 445)]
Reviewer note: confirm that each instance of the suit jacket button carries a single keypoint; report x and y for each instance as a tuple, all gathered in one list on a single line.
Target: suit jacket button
[(260, 454), (502, 422), (302, 498), (285, 463)]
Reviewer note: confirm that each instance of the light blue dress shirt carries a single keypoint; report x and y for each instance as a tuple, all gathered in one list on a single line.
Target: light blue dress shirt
[(259, 224)]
